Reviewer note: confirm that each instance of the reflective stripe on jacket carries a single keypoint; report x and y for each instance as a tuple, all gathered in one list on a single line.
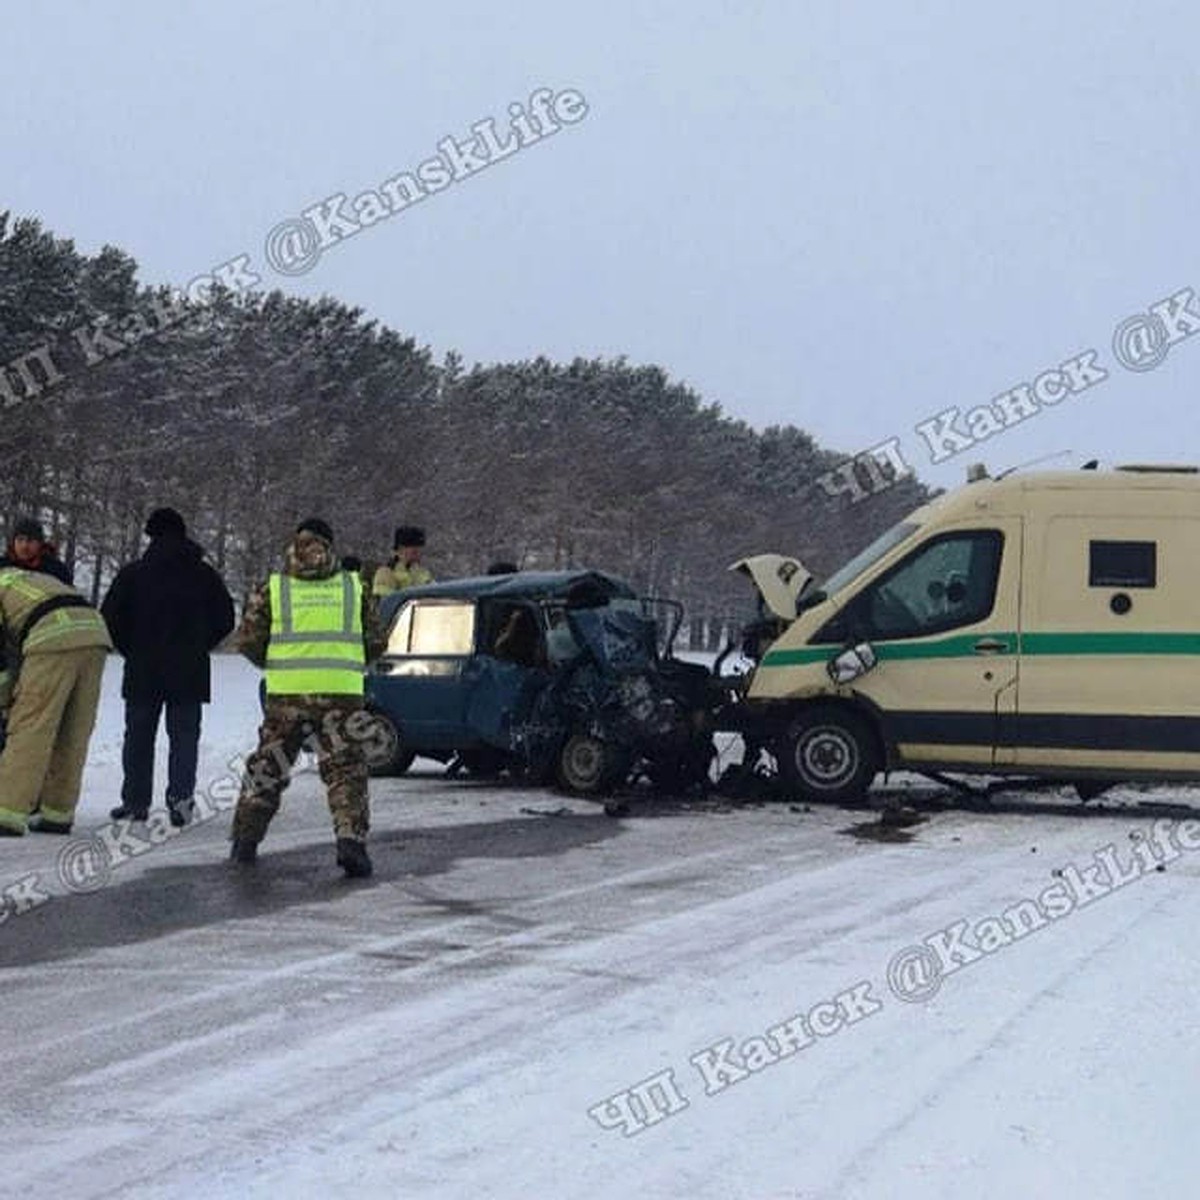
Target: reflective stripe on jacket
[(22, 593), (316, 644)]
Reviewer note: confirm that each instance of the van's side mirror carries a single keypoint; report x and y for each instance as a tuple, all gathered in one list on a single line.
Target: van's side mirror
[(851, 663)]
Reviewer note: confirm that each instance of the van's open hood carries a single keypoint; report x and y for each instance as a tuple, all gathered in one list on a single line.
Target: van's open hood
[(779, 579)]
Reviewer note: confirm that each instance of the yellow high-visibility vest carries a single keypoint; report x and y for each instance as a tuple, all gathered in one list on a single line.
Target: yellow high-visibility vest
[(316, 644)]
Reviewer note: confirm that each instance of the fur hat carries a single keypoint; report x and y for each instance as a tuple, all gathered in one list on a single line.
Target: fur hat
[(408, 535), (29, 527), (315, 525), (165, 522)]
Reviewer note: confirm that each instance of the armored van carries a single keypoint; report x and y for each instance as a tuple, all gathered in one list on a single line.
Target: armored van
[(1042, 624)]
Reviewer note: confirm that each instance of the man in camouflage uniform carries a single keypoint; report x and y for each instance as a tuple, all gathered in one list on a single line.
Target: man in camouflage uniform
[(313, 627), (56, 644)]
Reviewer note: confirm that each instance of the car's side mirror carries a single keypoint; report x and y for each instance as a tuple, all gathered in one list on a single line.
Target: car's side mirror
[(851, 663)]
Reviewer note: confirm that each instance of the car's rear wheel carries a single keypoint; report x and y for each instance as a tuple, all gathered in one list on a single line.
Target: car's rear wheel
[(829, 753), (384, 748)]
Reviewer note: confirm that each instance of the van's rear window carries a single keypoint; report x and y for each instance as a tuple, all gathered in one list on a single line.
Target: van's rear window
[(1122, 564)]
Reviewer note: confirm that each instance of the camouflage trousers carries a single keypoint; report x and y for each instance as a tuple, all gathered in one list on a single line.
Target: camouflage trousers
[(336, 729)]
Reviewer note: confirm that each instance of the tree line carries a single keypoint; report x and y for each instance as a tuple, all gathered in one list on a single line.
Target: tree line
[(248, 412)]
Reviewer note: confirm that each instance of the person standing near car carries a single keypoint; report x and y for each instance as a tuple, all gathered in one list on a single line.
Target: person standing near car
[(406, 568), (56, 644), (314, 628), (166, 612)]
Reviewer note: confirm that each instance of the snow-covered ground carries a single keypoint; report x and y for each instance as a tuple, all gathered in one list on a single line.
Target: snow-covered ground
[(532, 999)]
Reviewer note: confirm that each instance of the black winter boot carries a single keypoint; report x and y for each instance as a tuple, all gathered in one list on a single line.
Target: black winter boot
[(352, 858), (39, 824), (124, 813), (181, 810), (244, 851)]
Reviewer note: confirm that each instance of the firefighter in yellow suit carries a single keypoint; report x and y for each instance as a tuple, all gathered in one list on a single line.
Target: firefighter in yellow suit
[(55, 644)]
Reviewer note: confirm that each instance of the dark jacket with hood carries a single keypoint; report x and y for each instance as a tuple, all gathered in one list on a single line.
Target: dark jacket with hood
[(166, 612)]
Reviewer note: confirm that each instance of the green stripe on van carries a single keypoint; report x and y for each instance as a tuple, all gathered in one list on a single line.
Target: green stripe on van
[(959, 646), (1110, 643), (963, 646)]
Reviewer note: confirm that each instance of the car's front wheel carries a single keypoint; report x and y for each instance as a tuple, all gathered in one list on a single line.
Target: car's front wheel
[(587, 765), (829, 753)]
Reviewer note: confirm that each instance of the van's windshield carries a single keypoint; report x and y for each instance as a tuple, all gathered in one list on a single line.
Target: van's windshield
[(865, 559)]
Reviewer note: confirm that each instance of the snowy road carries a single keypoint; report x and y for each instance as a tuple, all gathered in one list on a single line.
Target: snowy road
[(470, 1022)]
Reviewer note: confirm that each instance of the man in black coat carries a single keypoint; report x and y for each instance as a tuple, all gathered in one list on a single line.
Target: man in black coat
[(166, 613)]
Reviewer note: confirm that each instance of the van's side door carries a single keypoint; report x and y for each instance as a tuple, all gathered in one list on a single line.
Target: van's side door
[(944, 625), (1110, 651)]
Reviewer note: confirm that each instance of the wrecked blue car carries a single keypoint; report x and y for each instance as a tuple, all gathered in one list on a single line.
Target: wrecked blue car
[(563, 676)]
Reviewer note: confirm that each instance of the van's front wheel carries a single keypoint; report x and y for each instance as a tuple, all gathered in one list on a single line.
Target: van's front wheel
[(829, 753)]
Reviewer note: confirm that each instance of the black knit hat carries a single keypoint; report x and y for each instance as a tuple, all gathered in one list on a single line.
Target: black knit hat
[(315, 525), (29, 527), (165, 522), (408, 535)]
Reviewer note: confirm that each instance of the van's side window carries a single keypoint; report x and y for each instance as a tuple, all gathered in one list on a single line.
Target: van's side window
[(948, 582), (1122, 564)]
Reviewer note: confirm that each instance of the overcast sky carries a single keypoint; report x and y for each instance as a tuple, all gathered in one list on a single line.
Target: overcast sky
[(845, 216)]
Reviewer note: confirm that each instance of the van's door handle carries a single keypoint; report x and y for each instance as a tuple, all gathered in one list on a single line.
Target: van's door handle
[(990, 646)]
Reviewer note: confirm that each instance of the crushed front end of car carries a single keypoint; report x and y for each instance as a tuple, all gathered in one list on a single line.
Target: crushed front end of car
[(623, 708)]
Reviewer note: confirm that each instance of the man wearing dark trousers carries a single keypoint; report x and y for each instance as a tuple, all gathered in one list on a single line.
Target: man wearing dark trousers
[(166, 613)]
